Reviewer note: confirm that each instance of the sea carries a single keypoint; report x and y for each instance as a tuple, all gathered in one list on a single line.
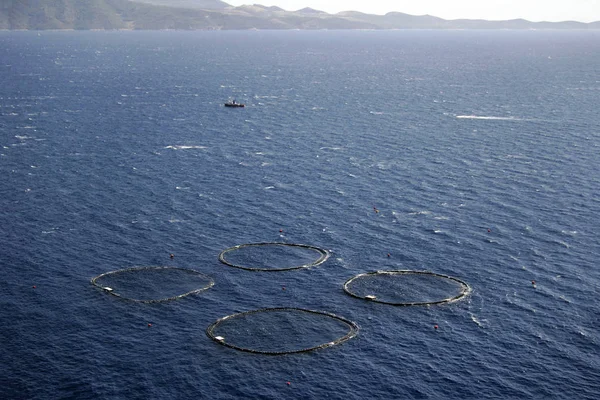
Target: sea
[(471, 154)]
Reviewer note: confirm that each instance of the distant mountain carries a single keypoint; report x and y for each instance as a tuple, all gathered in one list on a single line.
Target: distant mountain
[(308, 10), (217, 15), (194, 4), (274, 8)]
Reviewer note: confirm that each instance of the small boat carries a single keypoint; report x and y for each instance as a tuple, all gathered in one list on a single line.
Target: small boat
[(233, 103)]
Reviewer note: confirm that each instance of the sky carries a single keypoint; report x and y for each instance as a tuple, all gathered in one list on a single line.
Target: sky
[(533, 10)]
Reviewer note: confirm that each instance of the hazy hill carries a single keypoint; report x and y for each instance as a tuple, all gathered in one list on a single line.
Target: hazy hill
[(274, 8), (60, 14), (216, 14), (195, 4), (312, 11)]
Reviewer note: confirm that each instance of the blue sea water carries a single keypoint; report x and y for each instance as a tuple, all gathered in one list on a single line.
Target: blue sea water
[(480, 150)]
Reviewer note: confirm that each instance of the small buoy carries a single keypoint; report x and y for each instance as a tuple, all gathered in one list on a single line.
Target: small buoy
[(172, 255), (288, 382), (283, 288), (489, 230), (281, 230), (34, 286), (149, 325), (220, 338), (388, 255), (533, 282), (370, 297), (435, 327)]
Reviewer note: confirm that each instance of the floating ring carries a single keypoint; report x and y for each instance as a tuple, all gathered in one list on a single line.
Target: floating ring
[(323, 256), (111, 291), (352, 330), (465, 288)]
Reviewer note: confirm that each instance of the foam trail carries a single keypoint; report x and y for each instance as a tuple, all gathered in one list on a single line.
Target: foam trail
[(488, 118), (185, 147)]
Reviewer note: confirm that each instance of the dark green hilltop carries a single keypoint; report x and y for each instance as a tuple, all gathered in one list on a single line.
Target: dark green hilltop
[(218, 15)]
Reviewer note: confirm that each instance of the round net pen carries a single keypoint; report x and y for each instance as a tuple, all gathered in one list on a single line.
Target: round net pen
[(406, 288), (281, 330), (152, 284), (271, 256)]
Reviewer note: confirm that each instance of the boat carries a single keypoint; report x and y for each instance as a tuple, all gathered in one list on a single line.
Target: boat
[(233, 103)]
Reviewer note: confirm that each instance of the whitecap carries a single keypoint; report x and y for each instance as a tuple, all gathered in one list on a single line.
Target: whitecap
[(424, 212), (179, 147), (564, 298), (488, 118), (476, 320), (517, 156), (570, 233), (331, 148)]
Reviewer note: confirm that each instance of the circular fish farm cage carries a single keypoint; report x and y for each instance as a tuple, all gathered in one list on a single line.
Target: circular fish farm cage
[(152, 284), (273, 256), (406, 288), (281, 330)]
